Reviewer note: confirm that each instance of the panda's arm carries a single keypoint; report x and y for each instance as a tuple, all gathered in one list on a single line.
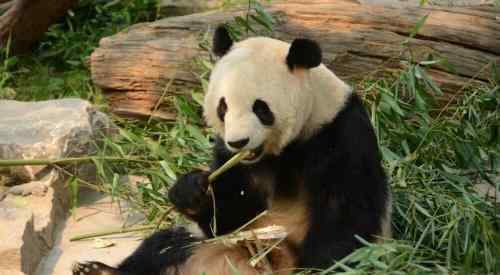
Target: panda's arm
[(234, 203), (347, 187)]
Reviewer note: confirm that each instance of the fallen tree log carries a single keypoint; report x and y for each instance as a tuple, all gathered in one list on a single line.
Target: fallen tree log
[(133, 66), (25, 22)]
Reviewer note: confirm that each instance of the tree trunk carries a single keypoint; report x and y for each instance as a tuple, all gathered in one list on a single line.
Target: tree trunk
[(26, 21), (358, 40)]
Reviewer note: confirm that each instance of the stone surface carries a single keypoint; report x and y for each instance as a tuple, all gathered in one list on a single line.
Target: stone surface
[(27, 228), (36, 187), (96, 212), (47, 130), (488, 191), (51, 129), (16, 221)]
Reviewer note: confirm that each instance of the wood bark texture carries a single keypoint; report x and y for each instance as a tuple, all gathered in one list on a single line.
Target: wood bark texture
[(358, 40), (26, 21)]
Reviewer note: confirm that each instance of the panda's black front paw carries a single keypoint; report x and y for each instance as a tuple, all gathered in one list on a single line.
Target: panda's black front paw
[(189, 194), (94, 268)]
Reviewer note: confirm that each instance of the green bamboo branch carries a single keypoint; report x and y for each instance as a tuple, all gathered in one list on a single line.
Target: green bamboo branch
[(111, 232), (22, 162), (228, 165)]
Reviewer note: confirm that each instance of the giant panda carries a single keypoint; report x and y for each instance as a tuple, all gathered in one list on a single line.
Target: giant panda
[(315, 167)]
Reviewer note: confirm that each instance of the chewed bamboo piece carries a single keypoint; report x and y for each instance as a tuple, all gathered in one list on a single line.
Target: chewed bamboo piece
[(272, 232), (259, 242)]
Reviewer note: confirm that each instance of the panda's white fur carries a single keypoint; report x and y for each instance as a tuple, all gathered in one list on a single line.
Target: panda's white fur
[(255, 68)]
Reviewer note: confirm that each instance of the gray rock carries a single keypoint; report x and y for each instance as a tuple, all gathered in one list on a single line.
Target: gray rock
[(51, 129), (36, 187), (48, 130), (27, 229), (15, 222), (95, 212), (28, 224), (488, 191)]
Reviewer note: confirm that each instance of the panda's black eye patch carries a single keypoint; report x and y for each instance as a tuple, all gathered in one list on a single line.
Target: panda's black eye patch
[(222, 109), (261, 109)]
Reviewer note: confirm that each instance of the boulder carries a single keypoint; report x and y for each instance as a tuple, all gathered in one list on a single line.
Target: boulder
[(48, 130), (51, 129), (95, 212), (14, 215), (27, 230)]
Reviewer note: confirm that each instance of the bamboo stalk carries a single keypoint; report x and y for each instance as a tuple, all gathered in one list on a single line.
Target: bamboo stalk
[(228, 165), (112, 232), (23, 162)]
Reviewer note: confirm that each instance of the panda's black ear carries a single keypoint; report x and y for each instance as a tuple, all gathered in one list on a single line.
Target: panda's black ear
[(303, 53), (222, 41)]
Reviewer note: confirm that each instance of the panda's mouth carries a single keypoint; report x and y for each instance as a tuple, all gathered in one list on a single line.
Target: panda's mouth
[(254, 155)]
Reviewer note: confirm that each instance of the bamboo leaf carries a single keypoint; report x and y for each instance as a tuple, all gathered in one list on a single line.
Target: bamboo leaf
[(418, 26), (168, 170)]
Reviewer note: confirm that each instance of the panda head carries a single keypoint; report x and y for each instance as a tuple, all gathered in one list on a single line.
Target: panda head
[(263, 93)]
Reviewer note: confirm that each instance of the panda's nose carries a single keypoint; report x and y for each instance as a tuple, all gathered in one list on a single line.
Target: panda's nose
[(238, 144)]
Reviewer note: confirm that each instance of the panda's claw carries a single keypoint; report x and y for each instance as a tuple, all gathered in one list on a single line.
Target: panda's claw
[(93, 268)]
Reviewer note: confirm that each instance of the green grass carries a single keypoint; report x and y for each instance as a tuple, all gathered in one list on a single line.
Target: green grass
[(434, 158), (434, 152), (57, 67)]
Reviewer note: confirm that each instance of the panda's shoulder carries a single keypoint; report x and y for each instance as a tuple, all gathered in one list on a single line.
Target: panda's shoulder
[(352, 115), (349, 129)]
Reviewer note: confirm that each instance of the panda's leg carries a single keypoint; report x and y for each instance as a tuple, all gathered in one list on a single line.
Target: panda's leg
[(95, 268), (162, 251)]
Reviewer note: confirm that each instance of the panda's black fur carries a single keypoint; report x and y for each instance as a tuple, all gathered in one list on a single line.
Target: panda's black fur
[(339, 167)]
